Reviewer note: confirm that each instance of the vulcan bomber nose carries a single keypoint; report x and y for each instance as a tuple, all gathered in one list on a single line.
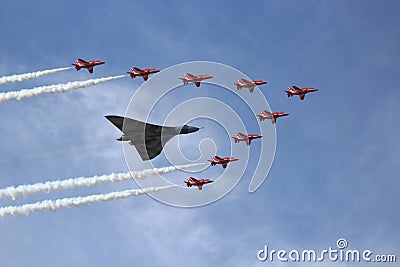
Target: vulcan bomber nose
[(188, 129)]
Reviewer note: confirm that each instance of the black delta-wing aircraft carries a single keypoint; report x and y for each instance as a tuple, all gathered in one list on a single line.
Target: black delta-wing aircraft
[(148, 139)]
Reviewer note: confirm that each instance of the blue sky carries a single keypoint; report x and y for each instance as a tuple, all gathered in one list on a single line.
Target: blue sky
[(335, 172)]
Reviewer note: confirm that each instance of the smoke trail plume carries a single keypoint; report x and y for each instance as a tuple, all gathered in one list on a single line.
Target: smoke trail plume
[(27, 76), (76, 201), (54, 186), (52, 89)]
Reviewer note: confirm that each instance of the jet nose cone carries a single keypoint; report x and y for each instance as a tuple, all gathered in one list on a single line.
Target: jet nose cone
[(261, 82), (188, 129)]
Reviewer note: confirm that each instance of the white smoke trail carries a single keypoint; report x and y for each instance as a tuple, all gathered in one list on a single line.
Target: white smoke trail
[(52, 89), (76, 201), (54, 186), (27, 76)]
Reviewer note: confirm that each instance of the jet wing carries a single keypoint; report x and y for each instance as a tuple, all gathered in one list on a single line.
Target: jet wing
[(296, 88), (82, 61), (149, 149), (193, 179), (242, 135), (128, 124)]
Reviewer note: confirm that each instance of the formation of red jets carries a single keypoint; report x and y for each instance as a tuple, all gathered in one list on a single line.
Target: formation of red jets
[(197, 79)]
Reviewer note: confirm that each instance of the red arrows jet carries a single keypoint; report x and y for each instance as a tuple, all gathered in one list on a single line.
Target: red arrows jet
[(190, 78), (80, 63), (301, 92), (199, 183), (245, 137), (223, 161), (243, 83), (266, 115), (143, 73)]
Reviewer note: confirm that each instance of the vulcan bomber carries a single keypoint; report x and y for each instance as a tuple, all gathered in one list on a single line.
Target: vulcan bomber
[(148, 139)]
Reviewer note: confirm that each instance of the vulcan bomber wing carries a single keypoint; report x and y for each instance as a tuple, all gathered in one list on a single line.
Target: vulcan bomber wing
[(148, 139)]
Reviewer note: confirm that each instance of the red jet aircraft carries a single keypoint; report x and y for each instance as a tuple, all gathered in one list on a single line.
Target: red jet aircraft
[(80, 63), (223, 161), (243, 83), (190, 78), (266, 115), (245, 137), (143, 73), (199, 183), (301, 92)]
